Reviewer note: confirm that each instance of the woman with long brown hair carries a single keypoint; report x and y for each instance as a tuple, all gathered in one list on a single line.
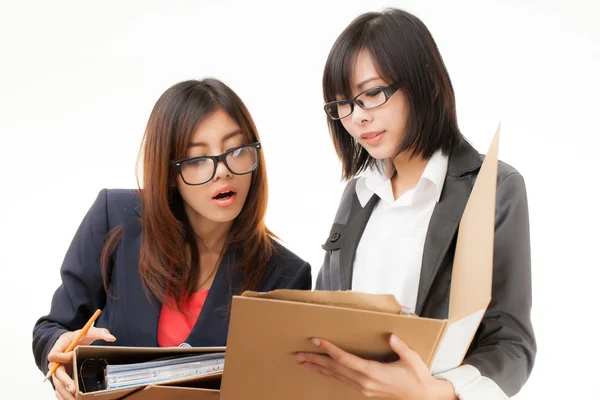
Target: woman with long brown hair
[(163, 261)]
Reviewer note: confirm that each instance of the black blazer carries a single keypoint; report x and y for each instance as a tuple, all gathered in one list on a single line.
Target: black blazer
[(127, 312), (504, 346)]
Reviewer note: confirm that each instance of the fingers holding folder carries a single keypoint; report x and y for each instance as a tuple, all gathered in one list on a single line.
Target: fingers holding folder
[(61, 354)]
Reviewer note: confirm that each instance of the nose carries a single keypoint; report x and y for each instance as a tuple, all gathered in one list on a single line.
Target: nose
[(222, 171), (360, 116)]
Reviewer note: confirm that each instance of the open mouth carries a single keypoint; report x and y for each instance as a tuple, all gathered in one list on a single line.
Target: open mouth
[(224, 195)]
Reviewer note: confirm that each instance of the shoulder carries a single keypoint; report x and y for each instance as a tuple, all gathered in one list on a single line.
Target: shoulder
[(116, 205), (284, 258), (465, 159), (504, 169), (509, 178), (128, 198), (511, 194), (286, 270)]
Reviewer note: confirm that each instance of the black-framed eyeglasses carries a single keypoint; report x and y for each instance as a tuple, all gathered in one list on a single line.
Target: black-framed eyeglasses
[(370, 98), (199, 170)]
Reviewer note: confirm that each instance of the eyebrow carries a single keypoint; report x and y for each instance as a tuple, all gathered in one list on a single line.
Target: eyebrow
[(226, 138), (363, 83)]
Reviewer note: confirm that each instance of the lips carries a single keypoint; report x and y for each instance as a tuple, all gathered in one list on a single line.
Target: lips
[(224, 192), (372, 138), (370, 135), (224, 196)]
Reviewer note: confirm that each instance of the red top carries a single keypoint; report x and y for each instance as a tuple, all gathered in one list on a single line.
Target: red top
[(173, 326)]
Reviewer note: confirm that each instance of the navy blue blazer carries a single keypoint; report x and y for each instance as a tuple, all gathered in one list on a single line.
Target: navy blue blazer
[(127, 312)]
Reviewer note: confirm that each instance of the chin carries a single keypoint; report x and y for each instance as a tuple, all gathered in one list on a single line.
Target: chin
[(223, 216), (381, 153)]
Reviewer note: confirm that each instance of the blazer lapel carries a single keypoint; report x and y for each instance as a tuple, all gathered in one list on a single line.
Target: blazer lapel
[(442, 227), (446, 215), (142, 308), (359, 217)]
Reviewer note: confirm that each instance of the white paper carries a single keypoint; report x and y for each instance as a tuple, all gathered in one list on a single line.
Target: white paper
[(455, 342), (125, 375)]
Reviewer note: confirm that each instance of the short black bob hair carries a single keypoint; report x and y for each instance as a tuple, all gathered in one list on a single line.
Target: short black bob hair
[(405, 53)]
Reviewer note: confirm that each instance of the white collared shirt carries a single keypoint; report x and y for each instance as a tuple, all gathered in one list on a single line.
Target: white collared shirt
[(388, 256), (390, 252)]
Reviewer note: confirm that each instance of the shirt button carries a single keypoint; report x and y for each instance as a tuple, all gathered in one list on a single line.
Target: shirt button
[(334, 237)]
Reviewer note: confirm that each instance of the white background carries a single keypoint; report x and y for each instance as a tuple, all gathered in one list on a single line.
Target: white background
[(78, 81)]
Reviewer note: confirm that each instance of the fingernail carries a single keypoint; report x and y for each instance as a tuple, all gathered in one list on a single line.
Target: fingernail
[(395, 339), (300, 357), (111, 337), (316, 342)]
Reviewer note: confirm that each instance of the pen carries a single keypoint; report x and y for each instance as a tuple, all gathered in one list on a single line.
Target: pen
[(73, 343)]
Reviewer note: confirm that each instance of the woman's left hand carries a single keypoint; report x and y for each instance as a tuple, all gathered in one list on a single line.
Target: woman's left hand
[(406, 379)]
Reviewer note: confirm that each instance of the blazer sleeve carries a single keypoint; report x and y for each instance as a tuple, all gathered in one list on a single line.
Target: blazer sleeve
[(81, 291), (504, 346)]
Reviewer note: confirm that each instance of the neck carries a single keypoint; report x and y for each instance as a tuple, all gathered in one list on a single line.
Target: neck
[(210, 235), (408, 172)]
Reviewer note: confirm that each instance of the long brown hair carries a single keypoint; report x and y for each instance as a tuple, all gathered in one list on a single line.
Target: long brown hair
[(169, 253)]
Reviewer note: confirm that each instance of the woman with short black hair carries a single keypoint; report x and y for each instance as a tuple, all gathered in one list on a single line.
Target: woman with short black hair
[(392, 118)]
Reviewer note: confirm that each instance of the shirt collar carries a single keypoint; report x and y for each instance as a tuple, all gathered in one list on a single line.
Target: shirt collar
[(436, 171), (373, 179), (376, 180)]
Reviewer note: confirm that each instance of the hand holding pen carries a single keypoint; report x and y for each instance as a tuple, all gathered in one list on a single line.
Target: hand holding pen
[(61, 356)]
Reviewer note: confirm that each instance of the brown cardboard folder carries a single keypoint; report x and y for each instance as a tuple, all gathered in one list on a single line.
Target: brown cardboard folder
[(266, 330)]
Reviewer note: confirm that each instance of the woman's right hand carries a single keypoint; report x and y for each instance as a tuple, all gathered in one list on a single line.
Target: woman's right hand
[(63, 383)]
